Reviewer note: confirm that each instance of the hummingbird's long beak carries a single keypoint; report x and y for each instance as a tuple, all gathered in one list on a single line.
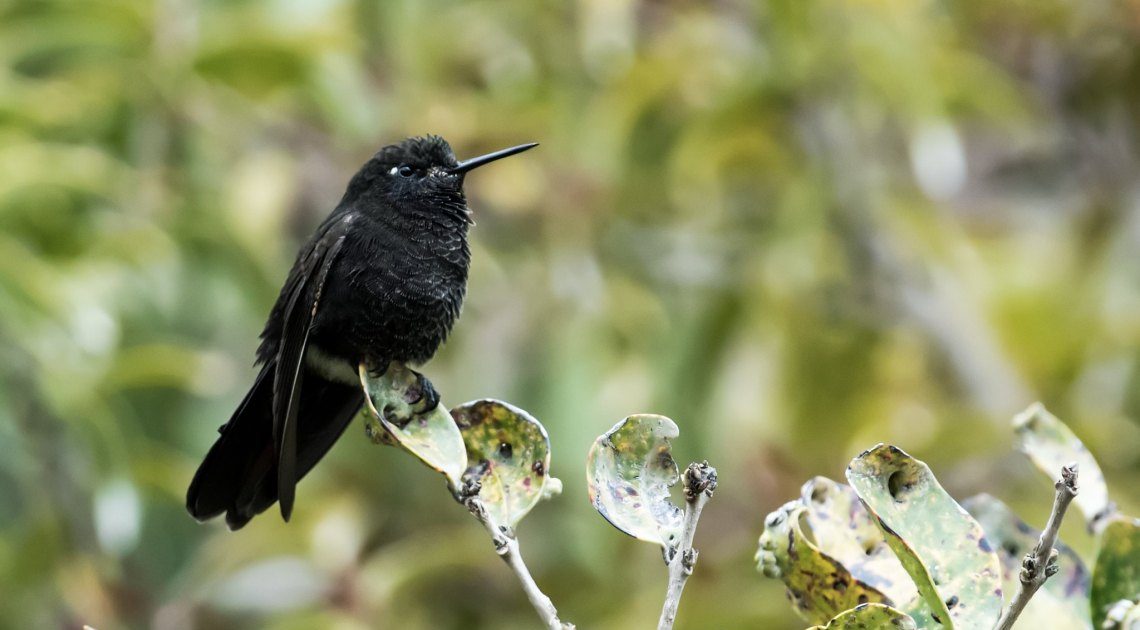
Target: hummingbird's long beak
[(476, 162)]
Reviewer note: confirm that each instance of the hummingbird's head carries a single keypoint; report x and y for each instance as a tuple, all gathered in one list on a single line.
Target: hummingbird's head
[(421, 170)]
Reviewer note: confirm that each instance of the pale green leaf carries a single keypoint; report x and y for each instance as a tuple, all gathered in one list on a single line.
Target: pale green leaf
[(870, 617), (629, 471), (1050, 444), (431, 436), (940, 545)]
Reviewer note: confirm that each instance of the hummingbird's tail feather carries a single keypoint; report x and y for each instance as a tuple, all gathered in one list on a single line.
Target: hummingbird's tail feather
[(236, 451), (239, 474)]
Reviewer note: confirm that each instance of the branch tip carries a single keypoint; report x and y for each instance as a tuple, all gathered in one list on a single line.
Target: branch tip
[(1069, 478), (1041, 563), (699, 479), (699, 484)]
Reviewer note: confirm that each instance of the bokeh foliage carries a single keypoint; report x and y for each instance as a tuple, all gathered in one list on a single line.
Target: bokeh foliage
[(796, 227)]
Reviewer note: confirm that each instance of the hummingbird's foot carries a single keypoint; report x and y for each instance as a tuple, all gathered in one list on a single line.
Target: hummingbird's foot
[(376, 367), (422, 395)]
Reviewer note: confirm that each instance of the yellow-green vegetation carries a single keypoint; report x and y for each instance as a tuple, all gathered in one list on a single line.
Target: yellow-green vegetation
[(959, 565)]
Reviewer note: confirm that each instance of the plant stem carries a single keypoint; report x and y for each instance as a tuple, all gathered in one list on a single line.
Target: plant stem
[(700, 482), (507, 546), (1041, 563)]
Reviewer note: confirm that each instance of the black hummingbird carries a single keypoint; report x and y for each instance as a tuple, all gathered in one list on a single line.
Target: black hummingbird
[(381, 280)]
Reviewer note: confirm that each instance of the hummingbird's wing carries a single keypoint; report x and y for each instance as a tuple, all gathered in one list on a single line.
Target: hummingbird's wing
[(301, 307)]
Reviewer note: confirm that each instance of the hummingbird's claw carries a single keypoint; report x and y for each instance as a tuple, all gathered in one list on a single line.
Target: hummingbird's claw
[(422, 396)]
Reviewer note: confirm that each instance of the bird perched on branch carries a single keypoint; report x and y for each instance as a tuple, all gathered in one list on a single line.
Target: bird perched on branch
[(382, 279)]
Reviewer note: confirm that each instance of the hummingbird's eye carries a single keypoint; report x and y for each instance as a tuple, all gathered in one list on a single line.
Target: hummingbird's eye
[(406, 171)]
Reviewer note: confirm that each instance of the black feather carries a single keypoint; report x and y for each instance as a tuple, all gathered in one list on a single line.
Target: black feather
[(303, 306)]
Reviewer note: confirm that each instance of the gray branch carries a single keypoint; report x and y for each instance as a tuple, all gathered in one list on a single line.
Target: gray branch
[(507, 546), (700, 482), (1041, 563)]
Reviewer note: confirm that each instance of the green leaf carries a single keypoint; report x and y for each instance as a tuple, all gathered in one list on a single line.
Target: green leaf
[(1063, 602), (1116, 575), (840, 525), (629, 472), (830, 553), (1050, 444), (869, 617), (509, 453), (818, 585), (432, 436), (940, 545)]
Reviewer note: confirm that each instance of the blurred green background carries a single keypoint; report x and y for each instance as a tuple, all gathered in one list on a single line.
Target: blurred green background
[(797, 227)]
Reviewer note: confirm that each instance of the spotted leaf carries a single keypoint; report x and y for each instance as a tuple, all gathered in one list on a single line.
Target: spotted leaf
[(508, 452), (818, 585), (942, 548), (629, 471), (1063, 602), (841, 526)]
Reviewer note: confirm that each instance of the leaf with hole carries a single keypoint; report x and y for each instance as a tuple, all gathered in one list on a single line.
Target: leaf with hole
[(1050, 444), (940, 545), (629, 471), (870, 617), (1063, 602), (1116, 575), (431, 436), (508, 451)]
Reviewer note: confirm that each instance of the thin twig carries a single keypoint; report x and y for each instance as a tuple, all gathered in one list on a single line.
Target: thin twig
[(1041, 563), (700, 482), (507, 546)]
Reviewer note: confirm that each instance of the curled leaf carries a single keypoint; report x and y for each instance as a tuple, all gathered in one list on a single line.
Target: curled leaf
[(629, 472), (1116, 575), (940, 545), (431, 436), (868, 616), (818, 585), (830, 553), (1050, 444), (508, 451), (1063, 601), (841, 526)]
